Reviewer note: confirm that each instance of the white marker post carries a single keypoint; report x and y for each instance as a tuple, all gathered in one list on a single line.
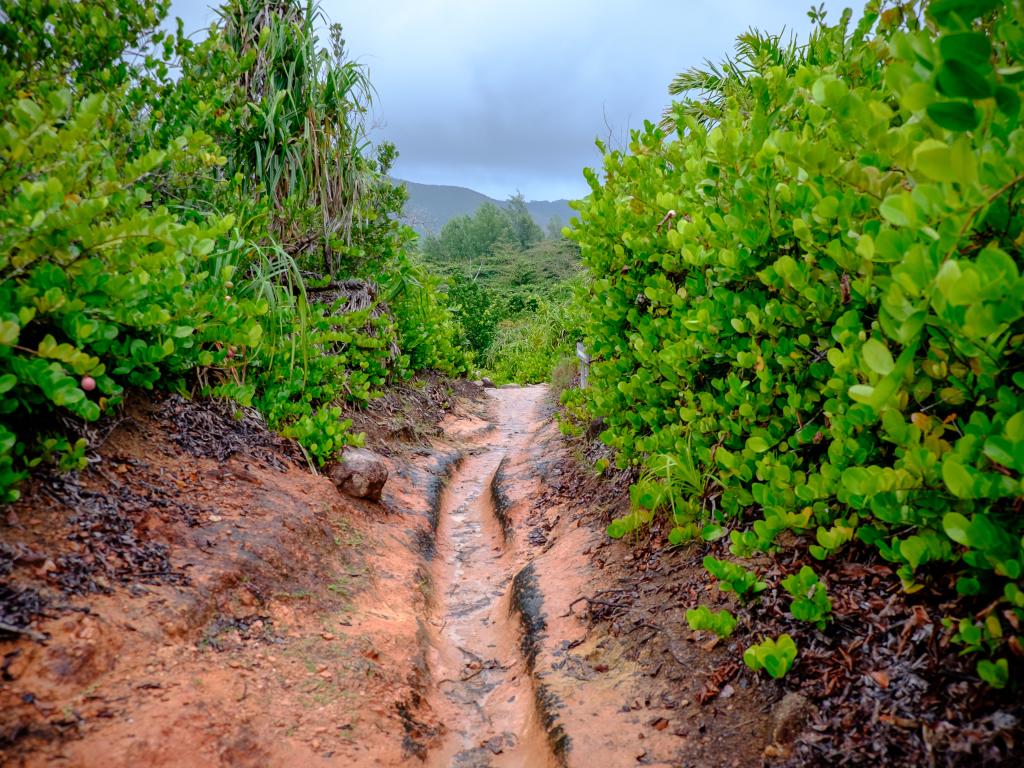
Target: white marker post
[(581, 353)]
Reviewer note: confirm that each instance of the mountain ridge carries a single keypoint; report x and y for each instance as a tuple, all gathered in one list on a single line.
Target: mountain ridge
[(431, 206)]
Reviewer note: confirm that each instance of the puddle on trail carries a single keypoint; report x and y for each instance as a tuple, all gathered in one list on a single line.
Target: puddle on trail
[(483, 689)]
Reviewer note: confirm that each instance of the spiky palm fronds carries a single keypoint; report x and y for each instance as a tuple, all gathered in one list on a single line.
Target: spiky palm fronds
[(704, 91), (306, 135)]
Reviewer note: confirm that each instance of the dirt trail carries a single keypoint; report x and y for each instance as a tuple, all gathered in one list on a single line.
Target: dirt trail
[(476, 617), (483, 689)]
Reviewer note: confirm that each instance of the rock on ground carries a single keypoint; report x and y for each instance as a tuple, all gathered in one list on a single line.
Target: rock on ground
[(360, 473), (791, 717)]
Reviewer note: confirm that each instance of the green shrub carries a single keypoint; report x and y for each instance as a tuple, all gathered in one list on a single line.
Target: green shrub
[(527, 347), (100, 288), (733, 577), (814, 285)]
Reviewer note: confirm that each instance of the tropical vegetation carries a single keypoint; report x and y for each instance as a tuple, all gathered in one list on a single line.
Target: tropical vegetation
[(199, 217), (806, 312)]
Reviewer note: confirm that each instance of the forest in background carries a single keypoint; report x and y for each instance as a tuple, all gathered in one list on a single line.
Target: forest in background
[(511, 286)]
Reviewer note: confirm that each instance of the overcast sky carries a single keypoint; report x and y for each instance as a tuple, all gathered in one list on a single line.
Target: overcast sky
[(508, 95)]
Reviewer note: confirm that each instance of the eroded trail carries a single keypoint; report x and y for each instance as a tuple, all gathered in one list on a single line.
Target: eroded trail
[(482, 687), (477, 616)]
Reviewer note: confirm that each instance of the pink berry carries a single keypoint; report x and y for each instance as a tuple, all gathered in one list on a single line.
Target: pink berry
[(88, 383)]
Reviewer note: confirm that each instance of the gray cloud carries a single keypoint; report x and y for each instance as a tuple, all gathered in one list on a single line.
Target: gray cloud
[(500, 96)]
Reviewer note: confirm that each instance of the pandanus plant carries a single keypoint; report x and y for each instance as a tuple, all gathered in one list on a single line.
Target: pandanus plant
[(304, 141)]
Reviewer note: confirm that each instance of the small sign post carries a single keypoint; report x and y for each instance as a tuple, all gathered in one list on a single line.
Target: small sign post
[(581, 353)]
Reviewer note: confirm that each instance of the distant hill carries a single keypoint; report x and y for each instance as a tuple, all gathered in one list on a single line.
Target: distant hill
[(431, 206)]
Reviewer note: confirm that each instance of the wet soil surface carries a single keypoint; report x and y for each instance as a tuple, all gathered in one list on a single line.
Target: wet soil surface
[(485, 692), (199, 598)]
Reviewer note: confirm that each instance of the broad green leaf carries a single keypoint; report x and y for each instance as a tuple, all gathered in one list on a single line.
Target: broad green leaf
[(862, 393), (934, 159), (996, 674), (9, 331), (955, 116), (899, 209), (757, 444), (1008, 101), (970, 48), (1014, 429), (957, 527), (959, 80), (967, 10), (878, 357), (957, 479)]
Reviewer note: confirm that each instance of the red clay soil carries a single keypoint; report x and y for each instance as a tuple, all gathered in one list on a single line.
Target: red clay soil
[(281, 626), (199, 598), (621, 680)]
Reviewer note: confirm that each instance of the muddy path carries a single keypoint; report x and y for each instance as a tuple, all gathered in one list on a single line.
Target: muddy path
[(483, 687), (202, 599)]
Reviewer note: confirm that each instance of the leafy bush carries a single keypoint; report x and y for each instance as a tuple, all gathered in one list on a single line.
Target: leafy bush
[(815, 285), (733, 577), (527, 347), (101, 288), (478, 310), (159, 231)]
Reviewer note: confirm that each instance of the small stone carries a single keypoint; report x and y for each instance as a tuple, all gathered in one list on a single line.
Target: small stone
[(790, 717), (777, 751), (360, 473), (486, 383)]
